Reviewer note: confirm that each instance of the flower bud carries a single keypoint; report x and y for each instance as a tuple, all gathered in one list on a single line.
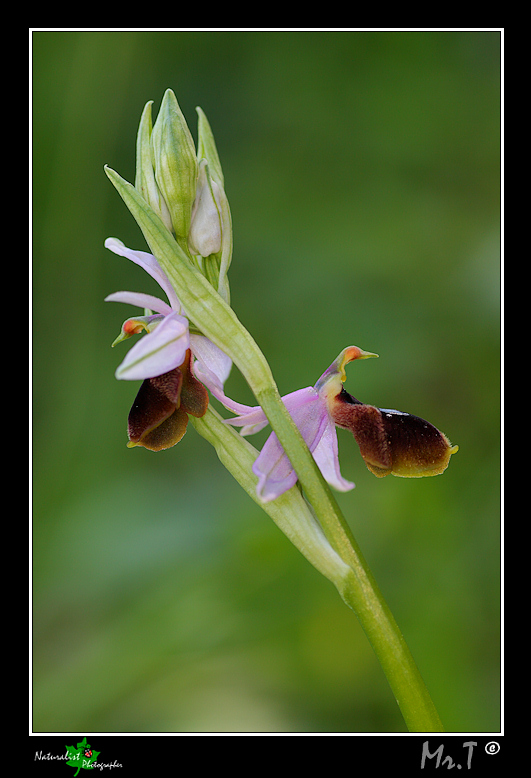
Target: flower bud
[(206, 147), (145, 182), (175, 163), (205, 230)]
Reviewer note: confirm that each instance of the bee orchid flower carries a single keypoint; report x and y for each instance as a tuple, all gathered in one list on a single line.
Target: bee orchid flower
[(389, 441), (163, 360)]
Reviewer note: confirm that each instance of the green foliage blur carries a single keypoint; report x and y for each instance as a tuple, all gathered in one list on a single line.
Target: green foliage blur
[(363, 174)]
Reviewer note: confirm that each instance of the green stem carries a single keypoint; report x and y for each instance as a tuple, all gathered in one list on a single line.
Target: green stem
[(290, 512), (212, 316), (362, 594)]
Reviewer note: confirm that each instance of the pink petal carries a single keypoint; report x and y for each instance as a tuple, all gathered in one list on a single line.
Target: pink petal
[(253, 419), (212, 366), (326, 456), (150, 265), (158, 352), (274, 471), (273, 468), (140, 300)]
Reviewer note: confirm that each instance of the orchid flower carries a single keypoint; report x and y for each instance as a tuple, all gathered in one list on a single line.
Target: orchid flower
[(390, 441), (163, 360)]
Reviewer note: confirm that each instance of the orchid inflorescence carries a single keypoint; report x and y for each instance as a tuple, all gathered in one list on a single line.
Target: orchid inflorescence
[(175, 364), (190, 342)]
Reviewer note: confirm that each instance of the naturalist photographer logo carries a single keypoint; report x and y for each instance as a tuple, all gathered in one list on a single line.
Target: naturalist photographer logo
[(81, 757)]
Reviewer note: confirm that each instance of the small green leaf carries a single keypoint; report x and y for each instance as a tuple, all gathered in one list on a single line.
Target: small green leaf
[(77, 756)]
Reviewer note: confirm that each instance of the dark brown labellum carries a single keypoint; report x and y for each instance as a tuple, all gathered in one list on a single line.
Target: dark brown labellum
[(159, 416), (391, 441)]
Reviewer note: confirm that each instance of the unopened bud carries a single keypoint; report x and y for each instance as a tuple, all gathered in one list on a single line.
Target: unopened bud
[(145, 182), (205, 231), (175, 163), (206, 147)]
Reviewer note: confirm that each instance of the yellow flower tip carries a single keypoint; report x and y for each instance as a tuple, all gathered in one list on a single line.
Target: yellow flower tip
[(329, 384), (367, 354), (349, 354)]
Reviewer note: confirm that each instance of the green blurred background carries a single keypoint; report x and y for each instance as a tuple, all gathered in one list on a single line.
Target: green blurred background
[(363, 173)]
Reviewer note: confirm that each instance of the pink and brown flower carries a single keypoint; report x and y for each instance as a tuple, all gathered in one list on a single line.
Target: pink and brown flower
[(164, 360), (390, 442)]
